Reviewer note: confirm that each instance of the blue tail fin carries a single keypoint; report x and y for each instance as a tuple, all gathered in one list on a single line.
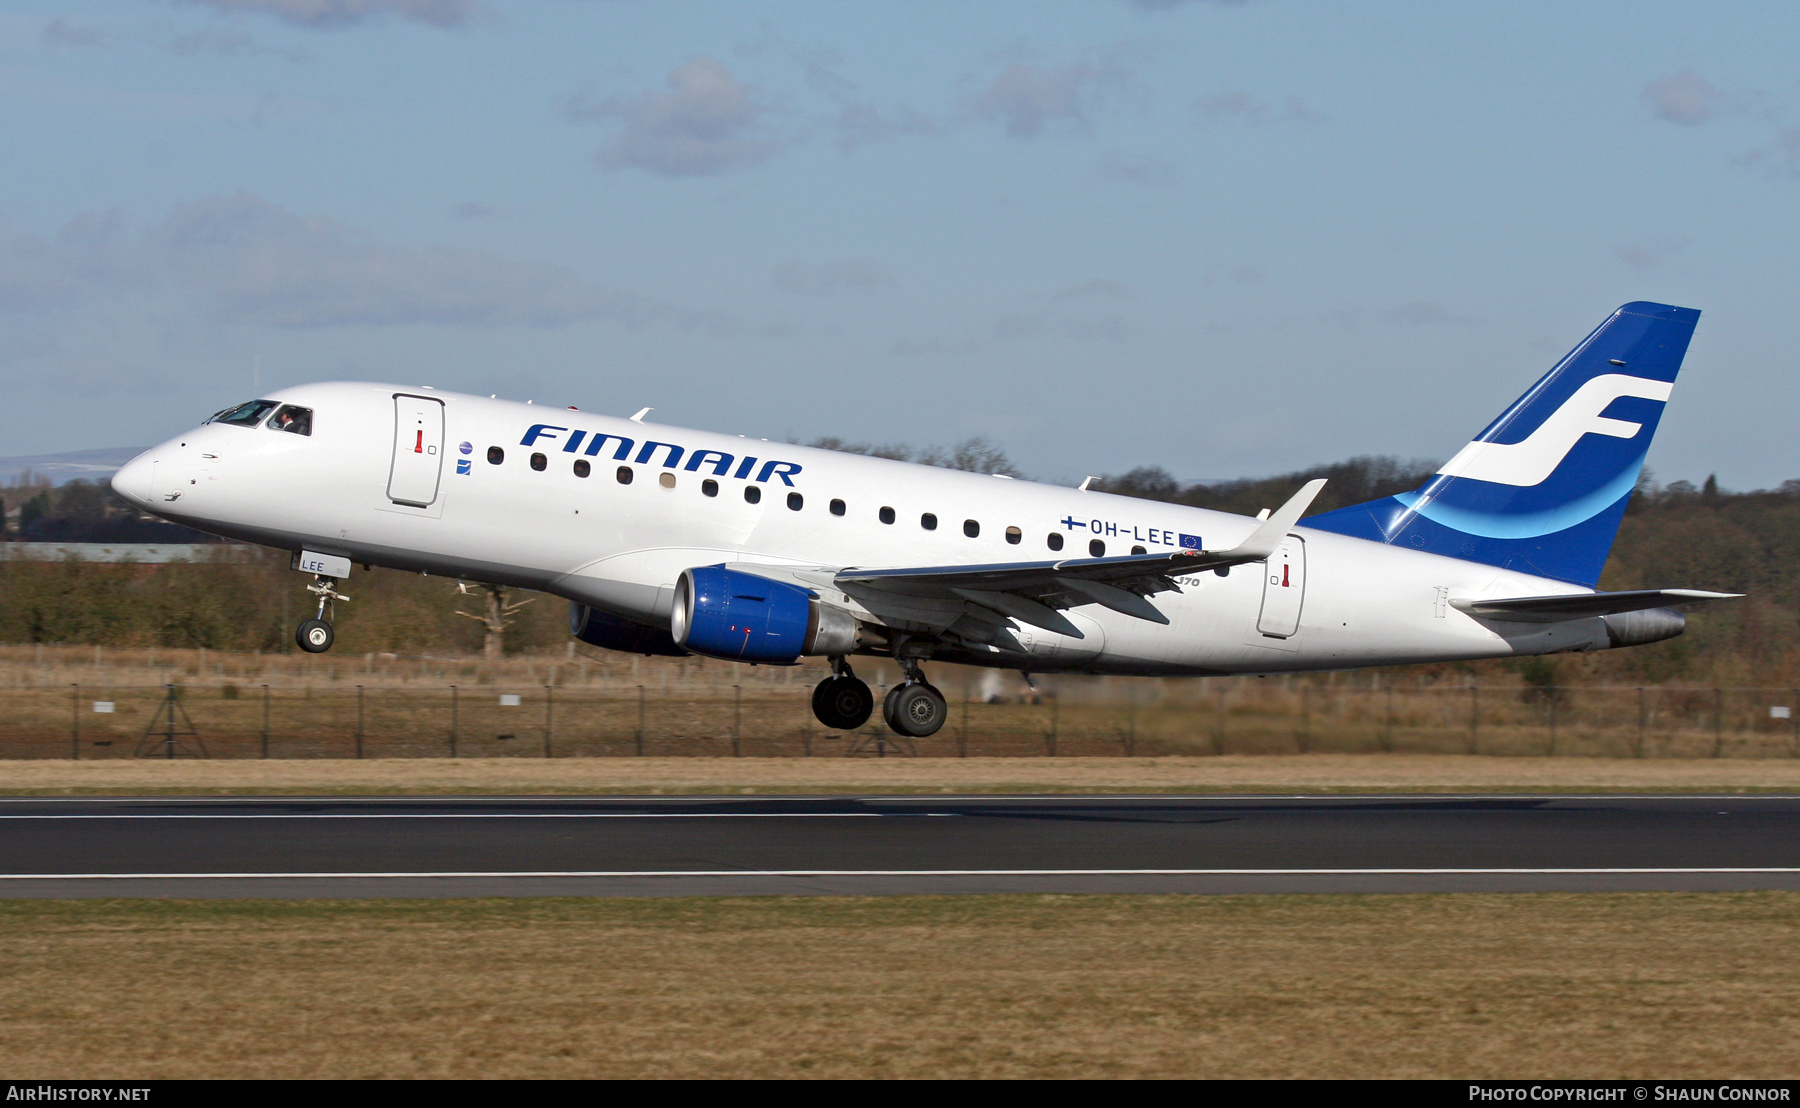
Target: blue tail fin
[(1542, 490)]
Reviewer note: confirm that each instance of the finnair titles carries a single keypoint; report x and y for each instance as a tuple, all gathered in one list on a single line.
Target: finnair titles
[(675, 542)]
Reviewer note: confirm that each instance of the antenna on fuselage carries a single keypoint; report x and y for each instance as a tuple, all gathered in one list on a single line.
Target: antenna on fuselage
[(639, 418), (1085, 482)]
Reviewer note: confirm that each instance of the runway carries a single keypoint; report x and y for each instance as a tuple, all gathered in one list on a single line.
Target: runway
[(853, 845)]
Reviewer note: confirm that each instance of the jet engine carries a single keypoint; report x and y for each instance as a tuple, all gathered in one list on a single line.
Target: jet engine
[(1642, 626), (725, 613), (610, 632)]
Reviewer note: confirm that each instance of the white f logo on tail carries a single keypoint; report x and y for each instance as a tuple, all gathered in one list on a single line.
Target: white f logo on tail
[(1532, 461)]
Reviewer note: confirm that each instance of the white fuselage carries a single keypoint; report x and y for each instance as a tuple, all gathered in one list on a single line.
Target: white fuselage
[(1332, 602)]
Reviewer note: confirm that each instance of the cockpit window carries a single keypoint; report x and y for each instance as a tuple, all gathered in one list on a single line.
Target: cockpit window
[(293, 419), (247, 414)]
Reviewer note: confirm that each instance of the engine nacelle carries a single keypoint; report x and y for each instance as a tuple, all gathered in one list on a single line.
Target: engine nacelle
[(1646, 625), (741, 617), (610, 632)]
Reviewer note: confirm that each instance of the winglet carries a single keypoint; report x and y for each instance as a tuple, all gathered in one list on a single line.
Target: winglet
[(1265, 540)]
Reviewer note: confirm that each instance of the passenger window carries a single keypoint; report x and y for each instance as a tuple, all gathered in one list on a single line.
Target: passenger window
[(293, 419), (247, 414), (1139, 550), (1097, 548), (538, 462), (928, 521), (582, 469), (971, 528), (709, 487), (752, 494), (837, 507), (1013, 535), (496, 455), (796, 501), (1054, 541), (666, 480), (887, 515), (624, 475)]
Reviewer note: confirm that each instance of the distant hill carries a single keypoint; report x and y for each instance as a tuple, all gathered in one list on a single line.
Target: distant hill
[(94, 465)]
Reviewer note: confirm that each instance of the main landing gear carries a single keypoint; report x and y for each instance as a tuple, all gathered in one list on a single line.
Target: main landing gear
[(315, 635), (914, 708), (842, 701)]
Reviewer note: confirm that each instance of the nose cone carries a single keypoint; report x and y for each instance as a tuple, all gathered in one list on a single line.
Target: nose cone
[(135, 480)]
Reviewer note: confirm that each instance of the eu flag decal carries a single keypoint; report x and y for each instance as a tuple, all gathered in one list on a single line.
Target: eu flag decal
[(1191, 542)]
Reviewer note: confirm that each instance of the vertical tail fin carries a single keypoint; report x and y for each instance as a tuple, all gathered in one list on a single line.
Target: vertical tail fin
[(1543, 488)]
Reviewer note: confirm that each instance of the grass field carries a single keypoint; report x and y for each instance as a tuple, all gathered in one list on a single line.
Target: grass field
[(1628, 985), (1232, 773)]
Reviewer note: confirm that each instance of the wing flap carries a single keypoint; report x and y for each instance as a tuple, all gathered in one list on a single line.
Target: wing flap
[(1061, 583)]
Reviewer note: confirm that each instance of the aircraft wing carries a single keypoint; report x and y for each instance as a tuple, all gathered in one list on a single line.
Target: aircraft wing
[(1549, 609), (1032, 592)]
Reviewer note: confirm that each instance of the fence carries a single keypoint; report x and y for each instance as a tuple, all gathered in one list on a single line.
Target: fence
[(1072, 717)]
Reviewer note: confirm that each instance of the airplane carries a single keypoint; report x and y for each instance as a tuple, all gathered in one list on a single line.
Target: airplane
[(669, 541)]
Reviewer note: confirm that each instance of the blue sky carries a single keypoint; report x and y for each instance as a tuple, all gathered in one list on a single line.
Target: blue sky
[(1224, 238)]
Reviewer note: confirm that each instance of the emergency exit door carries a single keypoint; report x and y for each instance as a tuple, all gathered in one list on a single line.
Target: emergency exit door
[(418, 450), (1284, 587)]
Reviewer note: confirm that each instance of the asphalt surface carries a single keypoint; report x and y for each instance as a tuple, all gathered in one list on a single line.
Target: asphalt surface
[(646, 846)]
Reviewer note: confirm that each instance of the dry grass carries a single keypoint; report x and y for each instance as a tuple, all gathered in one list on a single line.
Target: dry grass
[(1235, 773), (1629, 985)]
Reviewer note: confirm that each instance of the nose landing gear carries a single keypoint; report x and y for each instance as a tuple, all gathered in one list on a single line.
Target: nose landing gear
[(315, 635)]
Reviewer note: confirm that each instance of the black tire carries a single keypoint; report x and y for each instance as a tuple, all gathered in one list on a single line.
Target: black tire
[(916, 710), (844, 703), (314, 636)]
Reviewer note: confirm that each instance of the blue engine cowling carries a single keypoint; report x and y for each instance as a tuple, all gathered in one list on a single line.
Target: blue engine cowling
[(741, 617), (610, 632)]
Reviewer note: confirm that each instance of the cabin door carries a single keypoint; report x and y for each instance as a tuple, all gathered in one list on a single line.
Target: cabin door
[(418, 450), (1284, 587)]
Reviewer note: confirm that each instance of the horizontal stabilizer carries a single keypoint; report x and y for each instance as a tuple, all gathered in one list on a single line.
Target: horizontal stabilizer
[(1550, 609)]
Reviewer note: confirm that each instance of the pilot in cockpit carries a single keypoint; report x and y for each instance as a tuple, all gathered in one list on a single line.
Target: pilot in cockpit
[(292, 419)]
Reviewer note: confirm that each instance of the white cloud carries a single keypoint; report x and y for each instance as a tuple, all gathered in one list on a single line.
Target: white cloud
[(1683, 98), (1140, 169), (859, 123), (345, 13), (247, 261), (60, 32), (818, 279), (858, 119), (1780, 156), (1027, 98), (229, 44), (1243, 107), (706, 123), (91, 256)]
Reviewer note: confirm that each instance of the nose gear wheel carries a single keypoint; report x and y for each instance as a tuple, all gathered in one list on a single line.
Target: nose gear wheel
[(315, 635)]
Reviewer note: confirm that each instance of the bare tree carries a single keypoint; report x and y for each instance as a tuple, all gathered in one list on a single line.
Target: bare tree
[(496, 617)]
